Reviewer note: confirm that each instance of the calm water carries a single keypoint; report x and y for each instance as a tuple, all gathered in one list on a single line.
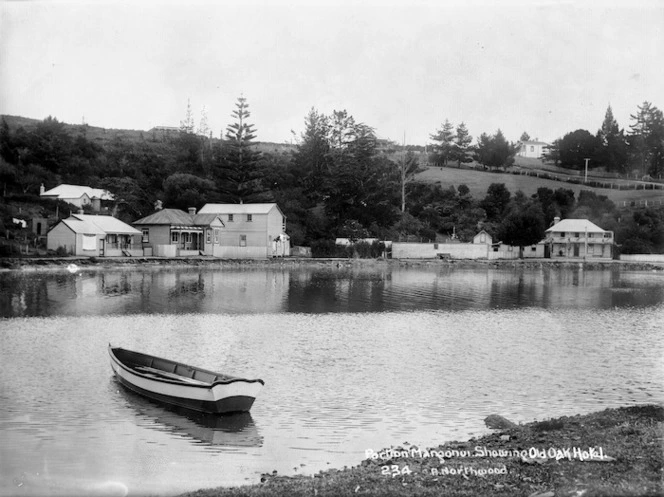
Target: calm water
[(352, 360)]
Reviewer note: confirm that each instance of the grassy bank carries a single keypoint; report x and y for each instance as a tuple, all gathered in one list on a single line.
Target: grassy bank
[(615, 452)]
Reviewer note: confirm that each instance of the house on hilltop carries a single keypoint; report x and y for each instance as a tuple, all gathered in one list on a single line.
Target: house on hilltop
[(252, 231), (80, 196), (175, 233), (534, 149), (578, 238), (94, 236)]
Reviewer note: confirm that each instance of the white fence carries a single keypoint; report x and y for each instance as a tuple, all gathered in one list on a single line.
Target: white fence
[(642, 257)]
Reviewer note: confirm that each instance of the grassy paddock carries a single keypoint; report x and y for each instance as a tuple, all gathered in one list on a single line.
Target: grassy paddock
[(478, 182), (615, 452)]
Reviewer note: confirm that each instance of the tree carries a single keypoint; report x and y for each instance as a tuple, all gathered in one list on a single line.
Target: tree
[(646, 139), (445, 140), (461, 149), (187, 126), (496, 201), (312, 159), (494, 151), (552, 152), (612, 143), (577, 146), (523, 225), (241, 178), (184, 190), (524, 137)]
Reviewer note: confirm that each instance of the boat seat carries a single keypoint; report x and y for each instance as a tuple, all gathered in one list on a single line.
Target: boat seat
[(173, 376)]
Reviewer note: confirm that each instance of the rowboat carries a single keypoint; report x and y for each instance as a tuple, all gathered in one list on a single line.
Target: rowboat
[(182, 385)]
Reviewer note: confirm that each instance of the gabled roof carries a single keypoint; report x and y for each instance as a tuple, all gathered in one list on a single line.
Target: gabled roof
[(238, 208), (206, 219), (98, 225), (576, 226), (171, 217), (533, 142), (177, 217), (75, 191)]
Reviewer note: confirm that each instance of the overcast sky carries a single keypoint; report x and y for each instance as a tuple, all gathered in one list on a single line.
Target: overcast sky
[(545, 67)]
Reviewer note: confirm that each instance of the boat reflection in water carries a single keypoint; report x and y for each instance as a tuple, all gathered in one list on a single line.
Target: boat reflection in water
[(232, 430)]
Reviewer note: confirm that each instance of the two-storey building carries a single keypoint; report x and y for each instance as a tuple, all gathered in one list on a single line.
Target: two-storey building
[(251, 231), (578, 238)]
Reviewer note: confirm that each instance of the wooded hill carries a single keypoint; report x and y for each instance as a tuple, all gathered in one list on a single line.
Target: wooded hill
[(338, 181)]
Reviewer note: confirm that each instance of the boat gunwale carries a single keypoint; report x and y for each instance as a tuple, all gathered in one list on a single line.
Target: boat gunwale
[(152, 377)]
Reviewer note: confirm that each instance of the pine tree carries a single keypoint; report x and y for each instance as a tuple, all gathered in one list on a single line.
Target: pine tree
[(240, 175), (646, 139), (461, 149), (613, 146), (187, 126), (445, 140)]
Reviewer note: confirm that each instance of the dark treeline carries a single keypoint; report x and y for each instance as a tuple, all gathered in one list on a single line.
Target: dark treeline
[(337, 182), (638, 152)]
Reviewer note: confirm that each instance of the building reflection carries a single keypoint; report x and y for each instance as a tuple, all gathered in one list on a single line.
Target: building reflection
[(320, 289)]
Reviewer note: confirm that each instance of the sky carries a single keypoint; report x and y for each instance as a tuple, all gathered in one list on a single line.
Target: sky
[(546, 67)]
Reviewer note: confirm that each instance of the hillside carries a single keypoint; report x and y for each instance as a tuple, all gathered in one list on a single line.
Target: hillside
[(105, 136), (479, 181)]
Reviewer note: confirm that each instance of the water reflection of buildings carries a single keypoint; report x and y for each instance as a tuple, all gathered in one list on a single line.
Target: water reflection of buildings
[(319, 289), (230, 430)]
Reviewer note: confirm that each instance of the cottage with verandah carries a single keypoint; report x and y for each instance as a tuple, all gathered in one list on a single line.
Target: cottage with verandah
[(175, 233), (94, 236)]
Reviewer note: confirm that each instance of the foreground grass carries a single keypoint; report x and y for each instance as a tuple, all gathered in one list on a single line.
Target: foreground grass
[(616, 452)]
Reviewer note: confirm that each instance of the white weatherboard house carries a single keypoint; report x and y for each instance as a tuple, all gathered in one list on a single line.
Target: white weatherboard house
[(89, 235), (533, 149), (251, 231), (578, 238), (80, 196)]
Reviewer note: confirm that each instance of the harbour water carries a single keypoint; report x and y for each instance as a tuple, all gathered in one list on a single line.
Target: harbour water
[(352, 358)]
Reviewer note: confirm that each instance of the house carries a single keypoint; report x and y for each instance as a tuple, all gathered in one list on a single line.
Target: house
[(252, 231), (534, 149), (483, 237), (90, 235), (578, 238), (175, 233), (80, 196)]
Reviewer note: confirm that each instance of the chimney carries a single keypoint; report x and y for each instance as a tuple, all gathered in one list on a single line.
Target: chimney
[(42, 189), (556, 220), (192, 211)]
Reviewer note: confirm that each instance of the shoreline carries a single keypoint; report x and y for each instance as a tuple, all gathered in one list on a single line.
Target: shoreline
[(98, 263), (614, 452)]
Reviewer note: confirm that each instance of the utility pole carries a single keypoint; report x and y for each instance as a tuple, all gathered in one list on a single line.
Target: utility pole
[(585, 179)]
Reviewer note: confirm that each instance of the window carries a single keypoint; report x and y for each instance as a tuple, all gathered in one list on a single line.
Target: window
[(532, 148), (146, 235), (208, 235), (175, 236), (216, 235), (562, 234), (576, 235), (243, 240), (482, 238), (230, 218), (250, 218), (89, 242), (533, 248)]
